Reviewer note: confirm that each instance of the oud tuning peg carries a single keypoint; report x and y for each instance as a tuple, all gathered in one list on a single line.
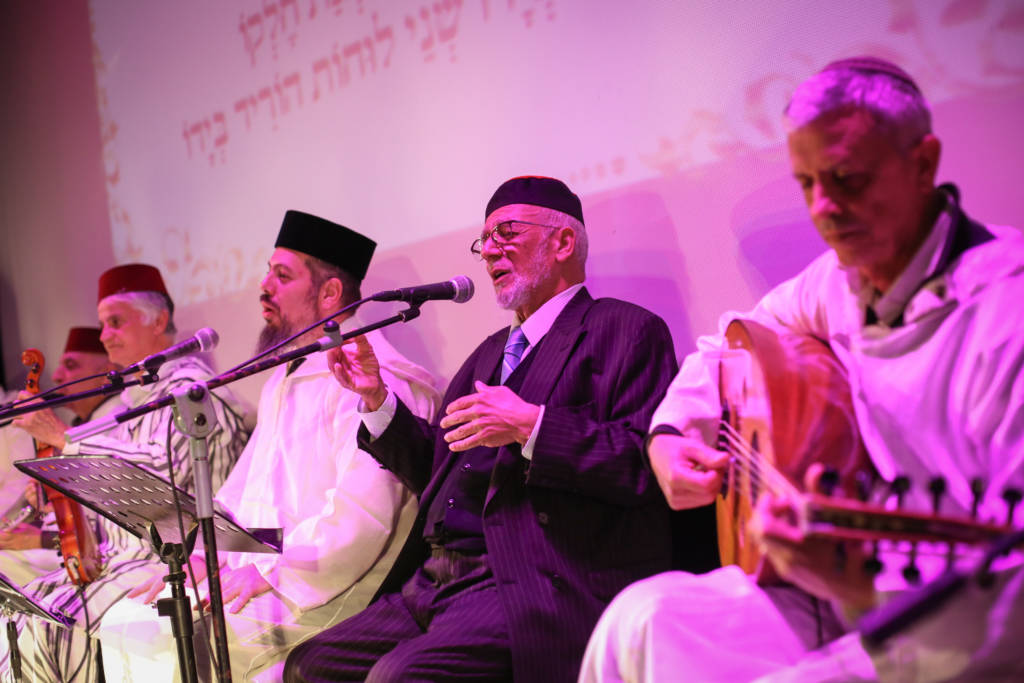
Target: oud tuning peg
[(900, 486), (873, 566), (864, 484), (829, 481), (977, 491), (911, 573), (1012, 497), (937, 487)]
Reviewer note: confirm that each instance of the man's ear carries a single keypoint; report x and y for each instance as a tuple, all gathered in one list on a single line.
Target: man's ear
[(565, 245), (330, 295), (926, 156), (162, 318)]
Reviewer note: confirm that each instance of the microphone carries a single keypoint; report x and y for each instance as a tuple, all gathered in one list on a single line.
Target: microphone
[(203, 340), (459, 289)]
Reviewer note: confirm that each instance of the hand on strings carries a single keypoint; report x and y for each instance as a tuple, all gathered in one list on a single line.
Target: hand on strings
[(21, 537), (355, 366), (826, 568), (688, 470), (43, 425), (241, 585), (493, 416)]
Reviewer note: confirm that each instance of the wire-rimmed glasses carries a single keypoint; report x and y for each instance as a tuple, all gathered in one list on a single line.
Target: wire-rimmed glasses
[(502, 233)]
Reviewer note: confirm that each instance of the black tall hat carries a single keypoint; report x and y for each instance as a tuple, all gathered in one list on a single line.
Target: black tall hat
[(327, 241)]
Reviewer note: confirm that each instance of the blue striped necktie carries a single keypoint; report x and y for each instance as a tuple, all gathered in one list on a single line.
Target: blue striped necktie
[(514, 348)]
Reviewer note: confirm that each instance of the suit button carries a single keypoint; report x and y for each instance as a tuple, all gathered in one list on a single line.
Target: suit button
[(451, 502), (466, 467), (542, 517), (558, 582)]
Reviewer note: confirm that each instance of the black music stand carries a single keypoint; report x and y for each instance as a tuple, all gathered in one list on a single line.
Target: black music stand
[(13, 601), (144, 505)]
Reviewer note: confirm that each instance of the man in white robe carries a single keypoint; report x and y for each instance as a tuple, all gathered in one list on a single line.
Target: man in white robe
[(344, 517), (31, 546), (919, 304)]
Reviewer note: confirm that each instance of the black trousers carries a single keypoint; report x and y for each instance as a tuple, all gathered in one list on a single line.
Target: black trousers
[(447, 624)]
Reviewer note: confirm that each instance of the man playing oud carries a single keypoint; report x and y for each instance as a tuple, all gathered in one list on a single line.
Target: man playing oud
[(914, 298)]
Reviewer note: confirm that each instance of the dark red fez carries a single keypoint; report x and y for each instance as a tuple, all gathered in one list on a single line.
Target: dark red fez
[(874, 65), (548, 193), (327, 241), (132, 277), (84, 340)]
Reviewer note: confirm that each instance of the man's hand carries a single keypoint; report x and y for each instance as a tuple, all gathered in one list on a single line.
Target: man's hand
[(356, 368), (493, 416), (688, 470), (151, 588), (827, 568), (241, 585), (43, 425), (32, 491), (21, 537)]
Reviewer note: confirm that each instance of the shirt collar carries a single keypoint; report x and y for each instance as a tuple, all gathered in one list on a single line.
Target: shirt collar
[(927, 262), (538, 324)]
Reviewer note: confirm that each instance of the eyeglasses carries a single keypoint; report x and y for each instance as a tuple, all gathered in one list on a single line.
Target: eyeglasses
[(502, 233)]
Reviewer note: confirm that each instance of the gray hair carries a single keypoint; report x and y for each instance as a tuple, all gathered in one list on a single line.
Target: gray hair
[(582, 242), (896, 104), (557, 219), (150, 305)]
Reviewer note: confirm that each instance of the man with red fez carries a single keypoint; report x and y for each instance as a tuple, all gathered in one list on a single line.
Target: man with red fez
[(916, 301), (136, 317), (535, 503), (344, 517), (29, 546)]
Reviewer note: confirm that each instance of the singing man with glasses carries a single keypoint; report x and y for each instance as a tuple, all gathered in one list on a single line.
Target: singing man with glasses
[(536, 505)]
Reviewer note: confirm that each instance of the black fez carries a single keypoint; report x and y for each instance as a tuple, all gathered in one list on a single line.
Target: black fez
[(874, 65), (327, 241), (548, 193)]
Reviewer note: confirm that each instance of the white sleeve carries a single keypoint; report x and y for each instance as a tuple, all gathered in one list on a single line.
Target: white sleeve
[(797, 305)]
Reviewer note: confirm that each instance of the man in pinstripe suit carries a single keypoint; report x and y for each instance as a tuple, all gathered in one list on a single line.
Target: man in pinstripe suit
[(535, 503)]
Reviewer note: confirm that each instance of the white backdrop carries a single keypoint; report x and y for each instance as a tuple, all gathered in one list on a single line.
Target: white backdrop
[(400, 118)]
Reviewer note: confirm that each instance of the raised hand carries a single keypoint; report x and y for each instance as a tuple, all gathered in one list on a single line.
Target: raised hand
[(355, 366)]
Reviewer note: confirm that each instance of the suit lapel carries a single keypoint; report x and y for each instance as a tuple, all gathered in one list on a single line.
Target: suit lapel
[(490, 356), (483, 369), (554, 353), (544, 373)]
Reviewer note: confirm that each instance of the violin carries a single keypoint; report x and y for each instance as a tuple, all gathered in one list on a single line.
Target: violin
[(78, 544)]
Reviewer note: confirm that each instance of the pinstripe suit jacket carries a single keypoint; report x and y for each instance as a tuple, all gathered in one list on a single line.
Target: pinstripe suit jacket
[(569, 529)]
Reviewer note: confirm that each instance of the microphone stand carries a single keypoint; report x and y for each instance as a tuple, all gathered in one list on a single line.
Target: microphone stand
[(194, 417), (117, 385)]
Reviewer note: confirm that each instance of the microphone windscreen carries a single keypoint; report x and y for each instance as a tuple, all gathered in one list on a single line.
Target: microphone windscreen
[(208, 338), (463, 289)]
